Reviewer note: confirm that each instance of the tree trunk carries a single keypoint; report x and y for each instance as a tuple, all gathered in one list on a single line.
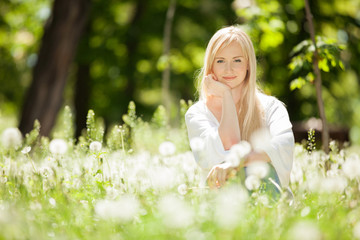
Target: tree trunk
[(61, 36), (132, 42), (318, 82), (82, 91), (166, 53)]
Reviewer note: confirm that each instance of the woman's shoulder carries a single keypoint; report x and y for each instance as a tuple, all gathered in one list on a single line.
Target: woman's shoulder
[(197, 107)]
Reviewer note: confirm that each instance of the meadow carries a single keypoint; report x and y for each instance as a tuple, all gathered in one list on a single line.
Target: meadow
[(140, 181)]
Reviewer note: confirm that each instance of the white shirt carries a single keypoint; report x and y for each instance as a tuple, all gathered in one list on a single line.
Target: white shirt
[(202, 123)]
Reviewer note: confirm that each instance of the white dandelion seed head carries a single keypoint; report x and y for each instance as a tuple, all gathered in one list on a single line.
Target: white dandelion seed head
[(162, 177), (252, 182), (197, 144), (122, 210), (230, 206), (26, 150), (58, 146), (261, 140), (233, 159), (351, 167), (167, 148), (52, 202), (333, 184), (305, 230), (258, 169), (356, 230), (176, 213), (182, 189), (241, 149), (95, 146), (11, 138), (296, 174)]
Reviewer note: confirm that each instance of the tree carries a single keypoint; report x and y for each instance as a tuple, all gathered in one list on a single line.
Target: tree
[(61, 36)]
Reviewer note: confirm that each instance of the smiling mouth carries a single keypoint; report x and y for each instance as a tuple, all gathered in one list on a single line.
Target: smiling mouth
[(229, 78)]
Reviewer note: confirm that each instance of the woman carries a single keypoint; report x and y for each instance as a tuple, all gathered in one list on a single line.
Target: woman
[(231, 108)]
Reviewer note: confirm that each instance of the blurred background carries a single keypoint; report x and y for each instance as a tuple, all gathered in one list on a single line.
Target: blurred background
[(93, 54)]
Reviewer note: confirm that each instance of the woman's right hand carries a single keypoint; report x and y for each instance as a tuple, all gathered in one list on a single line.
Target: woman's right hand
[(214, 87)]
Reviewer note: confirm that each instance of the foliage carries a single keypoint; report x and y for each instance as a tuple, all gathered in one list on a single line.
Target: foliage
[(302, 58)]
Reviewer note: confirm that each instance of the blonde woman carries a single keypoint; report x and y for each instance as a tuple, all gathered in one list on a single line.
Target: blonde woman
[(231, 108)]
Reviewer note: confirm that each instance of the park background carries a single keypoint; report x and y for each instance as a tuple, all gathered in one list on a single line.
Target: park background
[(102, 55)]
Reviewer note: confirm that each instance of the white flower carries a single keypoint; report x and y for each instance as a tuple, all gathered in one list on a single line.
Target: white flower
[(261, 140), (230, 206), (351, 167), (259, 169), (11, 137), (26, 150), (52, 202), (333, 184), (182, 189), (122, 210), (356, 230), (305, 230), (162, 177), (58, 146), (241, 149), (197, 144), (95, 146), (175, 212), (167, 148), (233, 159), (252, 182)]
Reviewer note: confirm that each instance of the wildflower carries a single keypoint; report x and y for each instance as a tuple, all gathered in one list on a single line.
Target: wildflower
[(95, 146), (52, 202), (258, 169), (175, 212), (162, 177), (11, 138), (252, 182), (26, 150), (58, 146), (351, 167), (182, 189), (356, 230), (122, 210), (197, 144), (305, 230), (167, 148), (241, 149), (333, 184), (230, 206)]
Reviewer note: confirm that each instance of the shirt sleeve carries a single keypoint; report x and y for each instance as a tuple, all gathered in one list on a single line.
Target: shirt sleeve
[(282, 140), (200, 125)]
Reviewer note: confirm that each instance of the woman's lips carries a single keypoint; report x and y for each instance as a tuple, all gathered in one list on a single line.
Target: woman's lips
[(229, 78)]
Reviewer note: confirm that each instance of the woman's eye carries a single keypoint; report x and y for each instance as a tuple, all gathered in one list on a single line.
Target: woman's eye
[(219, 61), (237, 60)]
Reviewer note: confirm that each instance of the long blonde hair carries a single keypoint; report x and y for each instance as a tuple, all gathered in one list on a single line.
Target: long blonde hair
[(250, 114)]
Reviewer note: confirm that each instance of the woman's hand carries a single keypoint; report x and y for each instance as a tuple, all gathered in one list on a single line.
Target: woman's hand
[(214, 87), (218, 175)]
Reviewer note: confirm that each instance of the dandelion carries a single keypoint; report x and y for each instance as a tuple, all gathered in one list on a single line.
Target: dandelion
[(351, 167), (122, 210), (305, 230), (182, 189), (11, 138), (167, 148), (233, 159), (58, 146), (230, 206), (258, 169), (252, 182), (356, 230), (95, 146), (26, 150), (175, 212), (197, 144), (52, 202), (241, 149)]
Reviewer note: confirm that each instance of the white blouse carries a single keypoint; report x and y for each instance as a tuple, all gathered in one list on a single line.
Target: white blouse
[(202, 123)]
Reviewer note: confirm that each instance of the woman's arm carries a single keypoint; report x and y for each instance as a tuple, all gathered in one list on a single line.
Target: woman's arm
[(229, 130)]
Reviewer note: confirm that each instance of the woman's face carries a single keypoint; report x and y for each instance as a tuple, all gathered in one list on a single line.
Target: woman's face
[(230, 65)]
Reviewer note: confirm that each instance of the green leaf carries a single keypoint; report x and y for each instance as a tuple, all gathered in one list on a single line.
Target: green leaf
[(297, 83)]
